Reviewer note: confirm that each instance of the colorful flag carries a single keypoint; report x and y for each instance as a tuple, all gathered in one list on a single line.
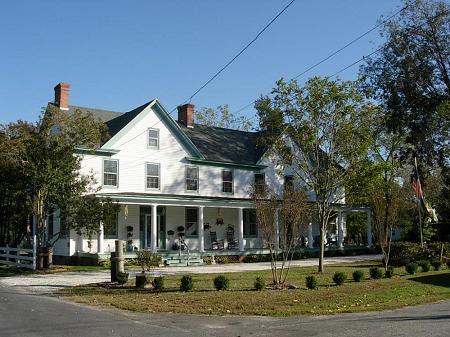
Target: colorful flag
[(417, 186)]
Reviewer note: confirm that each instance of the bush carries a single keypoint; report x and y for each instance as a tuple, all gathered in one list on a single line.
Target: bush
[(437, 264), (221, 282), (147, 259), (339, 277), (411, 268), (259, 284), (425, 265), (122, 278), (448, 263), (376, 273), (141, 280), (358, 275), (158, 283), (389, 272), (403, 253), (311, 282), (186, 283)]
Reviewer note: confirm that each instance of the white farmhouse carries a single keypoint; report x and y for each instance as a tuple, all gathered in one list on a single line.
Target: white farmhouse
[(175, 177)]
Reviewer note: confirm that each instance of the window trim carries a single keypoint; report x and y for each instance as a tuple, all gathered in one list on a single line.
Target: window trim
[(185, 223), (146, 176), (103, 173), (148, 139), (232, 181), (186, 178)]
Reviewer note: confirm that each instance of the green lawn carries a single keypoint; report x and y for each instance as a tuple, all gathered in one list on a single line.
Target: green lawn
[(6, 271), (402, 290)]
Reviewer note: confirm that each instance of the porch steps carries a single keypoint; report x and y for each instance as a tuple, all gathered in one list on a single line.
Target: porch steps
[(175, 260)]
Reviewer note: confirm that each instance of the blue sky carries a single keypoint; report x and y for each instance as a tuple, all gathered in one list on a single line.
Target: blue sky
[(118, 55)]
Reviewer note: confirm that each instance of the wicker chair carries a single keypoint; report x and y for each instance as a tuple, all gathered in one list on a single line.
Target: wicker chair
[(215, 244)]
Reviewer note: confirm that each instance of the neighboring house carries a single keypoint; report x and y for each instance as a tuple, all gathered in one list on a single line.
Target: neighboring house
[(168, 174)]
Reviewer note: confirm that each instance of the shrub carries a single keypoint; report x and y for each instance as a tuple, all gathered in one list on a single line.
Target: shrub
[(389, 272), (158, 283), (358, 275), (147, 259), (437, 264), (403, 253), (339, 277), (311, 282), (448, 263), (122, 278), (376, 273), (141, 280), (259, 284), (411, 268), (221, 282), (425, 265), (186, 283)]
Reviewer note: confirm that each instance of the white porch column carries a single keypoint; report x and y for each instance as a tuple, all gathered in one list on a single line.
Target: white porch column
[(277, 230), (154, 228), (310, 236), (369, 228), (241, 228), (100, 242), (340, 224), (201, 232)]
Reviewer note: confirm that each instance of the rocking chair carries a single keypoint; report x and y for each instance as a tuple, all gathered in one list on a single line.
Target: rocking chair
[(215, 244), (232, 243)]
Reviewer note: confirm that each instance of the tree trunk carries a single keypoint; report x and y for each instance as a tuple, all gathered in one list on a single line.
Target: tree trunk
[(322, 247)]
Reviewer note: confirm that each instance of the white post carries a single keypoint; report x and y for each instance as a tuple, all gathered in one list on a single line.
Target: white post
[(100, 239), (241, 228), (79, 242), (369, 228), (154, 228), (34, 242), (310, 236), (201, 233), (7, 252), (340, 230), (277, 230)]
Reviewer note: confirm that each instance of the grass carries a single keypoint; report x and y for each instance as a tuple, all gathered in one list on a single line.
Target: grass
[(6, 271), (368, 295)]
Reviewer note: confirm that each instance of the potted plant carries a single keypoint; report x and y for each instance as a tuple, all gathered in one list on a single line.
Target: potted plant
[(206, 226), (129, 238)]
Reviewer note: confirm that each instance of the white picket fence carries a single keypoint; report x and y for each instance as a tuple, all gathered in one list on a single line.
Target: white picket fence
[(20, 257)]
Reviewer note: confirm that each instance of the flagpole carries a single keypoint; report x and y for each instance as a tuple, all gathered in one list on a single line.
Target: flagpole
[(418, 205)]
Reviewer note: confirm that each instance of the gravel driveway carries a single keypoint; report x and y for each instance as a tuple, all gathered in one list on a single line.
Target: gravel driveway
[(48, 283)]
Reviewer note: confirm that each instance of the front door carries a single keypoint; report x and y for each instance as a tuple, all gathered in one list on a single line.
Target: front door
[(160, 231)]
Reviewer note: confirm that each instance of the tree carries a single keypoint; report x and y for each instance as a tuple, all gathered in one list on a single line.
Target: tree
[(222, 117), (410, 78), (44, 154), (282, 219), (322, 130)]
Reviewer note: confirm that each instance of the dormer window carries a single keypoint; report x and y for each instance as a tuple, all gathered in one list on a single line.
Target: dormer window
[(153, 138)]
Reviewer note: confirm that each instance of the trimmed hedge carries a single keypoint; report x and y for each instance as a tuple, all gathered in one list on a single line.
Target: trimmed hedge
[(222, 282), (425, 266), (403, 253), (141, 280), (259, 284), (186, 283), (411, 268), (339, 277), (311, 282), (437, 264), (122, 278), (158, 283), (376, 273), (389, 272), (358, 275)]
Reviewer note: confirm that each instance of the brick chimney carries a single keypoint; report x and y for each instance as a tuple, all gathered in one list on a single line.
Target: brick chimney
[(186, 114), (62, 95)]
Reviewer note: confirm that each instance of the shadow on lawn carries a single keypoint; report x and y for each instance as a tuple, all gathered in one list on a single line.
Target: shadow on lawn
[(441, 280)]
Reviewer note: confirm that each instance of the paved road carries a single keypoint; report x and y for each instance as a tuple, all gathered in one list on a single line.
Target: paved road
[(28, 315), (48, 283)]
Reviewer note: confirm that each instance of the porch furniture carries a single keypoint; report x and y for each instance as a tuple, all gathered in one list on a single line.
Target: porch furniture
[(232, 243), (215, 244)]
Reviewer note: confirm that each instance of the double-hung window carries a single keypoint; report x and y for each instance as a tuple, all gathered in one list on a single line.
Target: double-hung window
[(191, 178), (260, 182), (153, 176), (191, 222), (288, 182), (153, 138), (110, 227), (227, 181), (110, 172), (250, 225)]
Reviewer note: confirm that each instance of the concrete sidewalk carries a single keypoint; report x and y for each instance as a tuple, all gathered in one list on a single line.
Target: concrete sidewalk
[(48, 283)]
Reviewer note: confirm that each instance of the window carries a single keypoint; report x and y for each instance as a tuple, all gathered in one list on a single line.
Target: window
[(250, 226), (227, 181), (288, 182), (50, 224), (153, 176), (110, 172), (260, 182), (110, 227), (191, 178), (191, 222), (153, 138)]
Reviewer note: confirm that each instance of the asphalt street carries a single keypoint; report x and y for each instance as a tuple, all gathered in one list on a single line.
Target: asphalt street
[(23, 314)]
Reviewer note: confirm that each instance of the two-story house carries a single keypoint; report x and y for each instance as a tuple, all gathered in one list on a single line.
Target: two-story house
[(174, 176)]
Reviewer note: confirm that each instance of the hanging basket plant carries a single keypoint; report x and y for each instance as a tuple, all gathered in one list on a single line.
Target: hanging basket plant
[(180, 229), (170, 232), (219, 221), (206, 226)]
